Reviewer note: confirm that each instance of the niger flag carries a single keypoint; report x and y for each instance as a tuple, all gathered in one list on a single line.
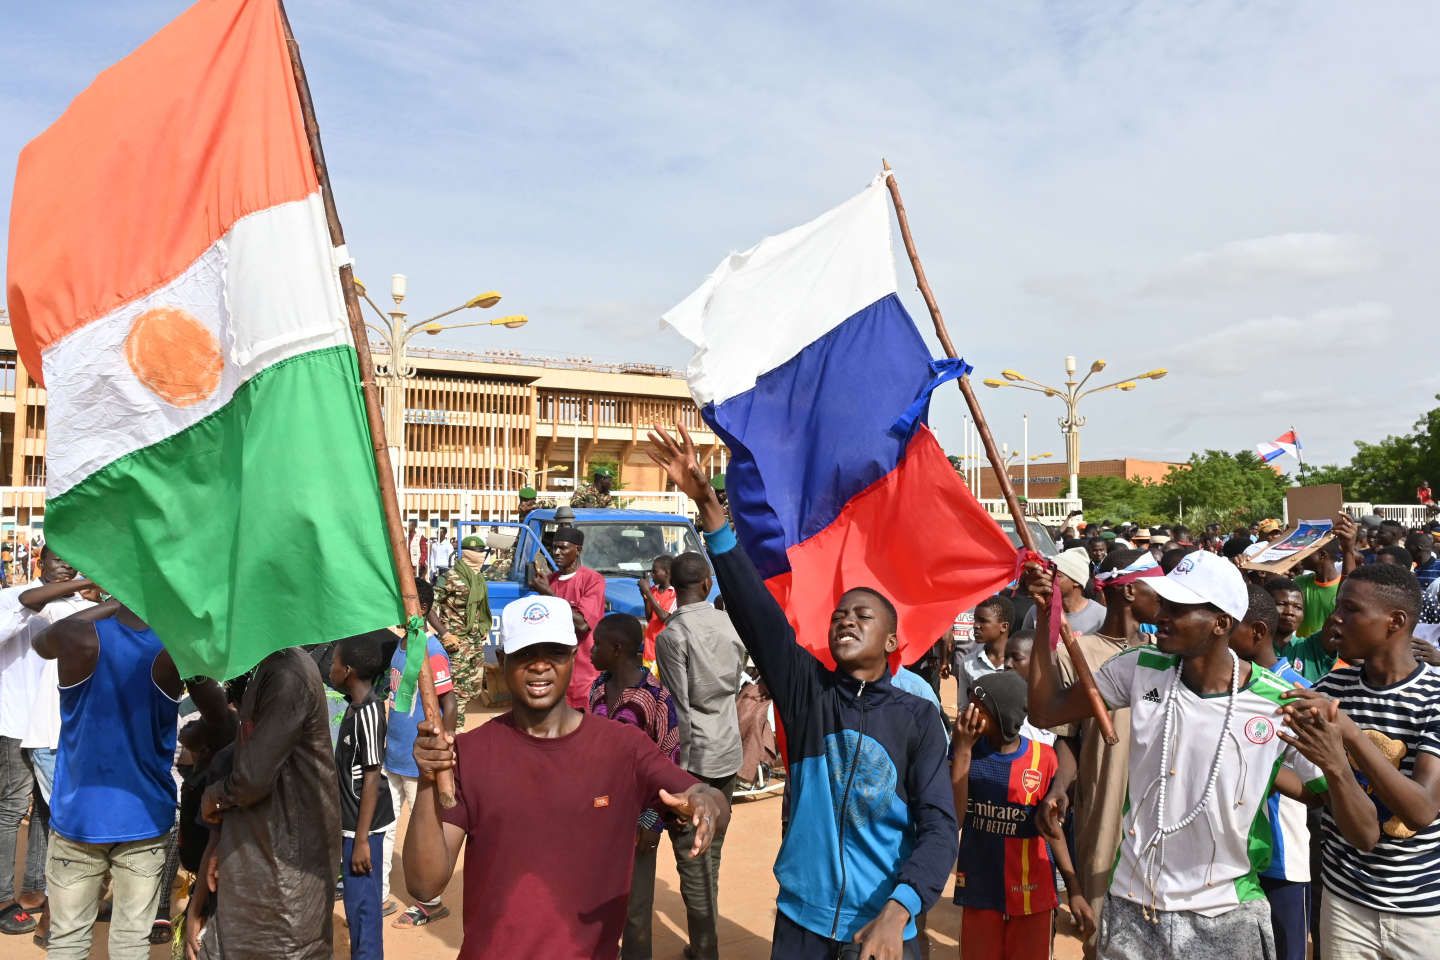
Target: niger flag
[(172, 282)]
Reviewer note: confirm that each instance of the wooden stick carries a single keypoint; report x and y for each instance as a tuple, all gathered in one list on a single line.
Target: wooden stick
[(399, 550), (1083, 676)]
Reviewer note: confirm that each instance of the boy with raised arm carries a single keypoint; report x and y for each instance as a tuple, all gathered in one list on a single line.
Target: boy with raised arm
[(872, 834)]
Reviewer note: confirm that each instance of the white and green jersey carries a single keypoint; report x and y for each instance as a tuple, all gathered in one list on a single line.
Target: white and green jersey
[(1211, 865)]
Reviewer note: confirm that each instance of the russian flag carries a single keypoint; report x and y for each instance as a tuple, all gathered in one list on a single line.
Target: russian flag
[(811, 371), (1287, 442)]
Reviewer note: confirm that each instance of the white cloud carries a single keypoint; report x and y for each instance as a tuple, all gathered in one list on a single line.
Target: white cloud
[(1276, 343), (1283, 257)]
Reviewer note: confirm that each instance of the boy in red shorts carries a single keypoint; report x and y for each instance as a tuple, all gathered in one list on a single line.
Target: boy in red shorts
[(1006, 878)]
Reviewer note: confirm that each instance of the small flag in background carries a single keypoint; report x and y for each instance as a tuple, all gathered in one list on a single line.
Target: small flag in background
[(1287, 442), (810, 369), (172, 283)]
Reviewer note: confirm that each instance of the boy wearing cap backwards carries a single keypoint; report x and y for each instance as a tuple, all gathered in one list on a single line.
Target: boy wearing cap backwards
[(1006, 879), (548, 798), (872, 834), (1204, 755), (461, 617), (1381, 900), (584, 590)]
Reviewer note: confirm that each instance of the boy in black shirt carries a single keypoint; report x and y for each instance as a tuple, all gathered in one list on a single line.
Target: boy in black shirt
[(365, 810)]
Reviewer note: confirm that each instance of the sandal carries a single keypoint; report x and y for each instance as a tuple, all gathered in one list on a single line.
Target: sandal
[(161, 931), (389, 907), (418, 916), (16, 920)]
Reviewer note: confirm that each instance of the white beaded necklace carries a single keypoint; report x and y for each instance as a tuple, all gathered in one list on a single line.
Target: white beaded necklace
[(1152, 854)]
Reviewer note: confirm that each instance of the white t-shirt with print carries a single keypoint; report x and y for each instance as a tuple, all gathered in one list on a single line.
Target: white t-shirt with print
[(1210, 866)]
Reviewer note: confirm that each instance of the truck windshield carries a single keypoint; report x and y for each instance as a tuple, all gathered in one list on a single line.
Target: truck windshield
[(627, 549)]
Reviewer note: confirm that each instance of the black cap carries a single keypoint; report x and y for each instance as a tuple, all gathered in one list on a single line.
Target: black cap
[(1004, 697), (569, 535)]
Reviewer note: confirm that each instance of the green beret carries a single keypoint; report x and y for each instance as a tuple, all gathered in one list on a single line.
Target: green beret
[(472, 543), (604, 472), (718, 482), (1108, 535), (527, 493)]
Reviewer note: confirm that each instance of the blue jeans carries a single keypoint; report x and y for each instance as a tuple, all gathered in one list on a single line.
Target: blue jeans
[(17, 785), (362, 900), (42, 764)]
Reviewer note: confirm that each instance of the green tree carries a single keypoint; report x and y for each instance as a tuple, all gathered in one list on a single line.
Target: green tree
[(1224, 488), (1330, 473), (1119, 500), (1389, 470)]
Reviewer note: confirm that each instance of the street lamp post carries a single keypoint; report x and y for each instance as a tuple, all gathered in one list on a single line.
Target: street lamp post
[(393, 367), (1070, 395), (1010, 456)]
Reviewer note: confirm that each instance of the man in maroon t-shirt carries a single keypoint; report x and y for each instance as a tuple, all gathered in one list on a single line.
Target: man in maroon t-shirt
[(550, 796), (584, 590)]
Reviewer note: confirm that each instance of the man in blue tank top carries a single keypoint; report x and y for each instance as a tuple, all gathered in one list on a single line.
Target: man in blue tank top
[(113, 802)]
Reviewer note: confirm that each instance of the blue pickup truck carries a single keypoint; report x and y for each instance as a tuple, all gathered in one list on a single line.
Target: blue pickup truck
[(619, 544)]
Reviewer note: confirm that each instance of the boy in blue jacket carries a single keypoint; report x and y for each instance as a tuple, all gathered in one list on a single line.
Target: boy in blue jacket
[(872, 834)]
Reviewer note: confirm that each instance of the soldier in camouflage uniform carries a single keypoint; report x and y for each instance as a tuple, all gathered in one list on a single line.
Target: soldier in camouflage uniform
[(461, 616), (597, 492), (498, 566)]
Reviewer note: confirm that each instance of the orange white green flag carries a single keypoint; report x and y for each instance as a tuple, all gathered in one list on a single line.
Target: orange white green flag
[(172, 282)]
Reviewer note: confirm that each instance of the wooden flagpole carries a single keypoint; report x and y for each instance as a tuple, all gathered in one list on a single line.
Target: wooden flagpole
[(1082, 669), (399, 552)]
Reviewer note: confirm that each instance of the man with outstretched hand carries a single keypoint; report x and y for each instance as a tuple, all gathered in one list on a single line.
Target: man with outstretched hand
[(547, 873), (872, 835)]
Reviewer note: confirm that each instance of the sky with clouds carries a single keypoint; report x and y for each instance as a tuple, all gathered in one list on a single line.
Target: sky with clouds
[(1244, 193)]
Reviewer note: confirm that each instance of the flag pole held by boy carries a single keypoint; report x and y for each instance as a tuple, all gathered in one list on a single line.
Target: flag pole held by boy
[(194, 322), (1007, 491)]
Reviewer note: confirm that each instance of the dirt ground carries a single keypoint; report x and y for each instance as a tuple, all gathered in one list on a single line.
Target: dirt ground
[(747, 901)]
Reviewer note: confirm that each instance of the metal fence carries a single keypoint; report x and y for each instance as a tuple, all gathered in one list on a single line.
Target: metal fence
[(1048, 510), (1410, 514)]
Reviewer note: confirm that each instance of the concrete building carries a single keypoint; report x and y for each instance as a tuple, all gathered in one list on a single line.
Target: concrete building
[(478, 427)]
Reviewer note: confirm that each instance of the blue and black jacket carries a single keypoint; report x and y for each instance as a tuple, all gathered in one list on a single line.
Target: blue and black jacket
[(872, 816)]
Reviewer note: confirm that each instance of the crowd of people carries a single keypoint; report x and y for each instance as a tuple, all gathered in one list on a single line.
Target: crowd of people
[(1272, 788)]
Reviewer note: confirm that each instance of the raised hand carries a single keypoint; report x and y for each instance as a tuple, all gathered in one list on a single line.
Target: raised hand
[(1344, 530), (970, 726), (677, 458)]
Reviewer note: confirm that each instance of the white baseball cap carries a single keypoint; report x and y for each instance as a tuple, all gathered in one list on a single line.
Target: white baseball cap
[(1203, 577), (531, 620)]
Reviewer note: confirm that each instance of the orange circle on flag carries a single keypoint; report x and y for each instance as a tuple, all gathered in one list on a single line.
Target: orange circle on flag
[(174, 355)]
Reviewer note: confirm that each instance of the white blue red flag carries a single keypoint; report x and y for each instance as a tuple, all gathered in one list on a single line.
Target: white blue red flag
[(1287, 442), (811, 371)]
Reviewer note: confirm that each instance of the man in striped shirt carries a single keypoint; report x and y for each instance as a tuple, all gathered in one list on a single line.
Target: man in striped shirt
[(1382, 902)]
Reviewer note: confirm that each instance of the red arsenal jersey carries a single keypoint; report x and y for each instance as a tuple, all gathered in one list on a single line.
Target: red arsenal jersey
[(1004, 862)]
